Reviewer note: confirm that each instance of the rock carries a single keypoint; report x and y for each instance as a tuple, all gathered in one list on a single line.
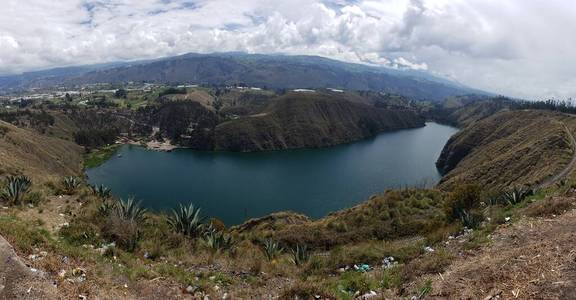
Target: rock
[(191, 289), (428, 249), (369, 295)]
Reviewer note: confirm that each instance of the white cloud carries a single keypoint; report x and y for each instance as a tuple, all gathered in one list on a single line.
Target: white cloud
[(515, 47)]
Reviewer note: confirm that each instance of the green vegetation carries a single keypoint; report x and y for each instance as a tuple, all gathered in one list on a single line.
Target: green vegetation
[(15, 189), (99, 156), (186, 220), (300, 255), (70, 185), (271, 249), (101, 191), (217, 240)]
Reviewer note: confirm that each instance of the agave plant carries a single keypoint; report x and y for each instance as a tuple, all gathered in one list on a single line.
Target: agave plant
[(101, 191), (516, 195), (129, 210), (105, 208), (217, 240), (16, 187), (70, 185), (300, 255), (271, 249), (186, 220)]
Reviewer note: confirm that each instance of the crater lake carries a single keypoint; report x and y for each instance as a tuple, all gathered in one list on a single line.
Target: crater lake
[(233, 187)]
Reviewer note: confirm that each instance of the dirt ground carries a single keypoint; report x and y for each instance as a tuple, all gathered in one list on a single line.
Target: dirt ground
[(531, 259), (17, 281)]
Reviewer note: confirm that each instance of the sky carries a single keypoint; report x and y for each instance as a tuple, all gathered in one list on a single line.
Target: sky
[(518, 48)]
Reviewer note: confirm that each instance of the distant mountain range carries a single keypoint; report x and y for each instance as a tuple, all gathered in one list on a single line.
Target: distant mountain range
[(266, 71)]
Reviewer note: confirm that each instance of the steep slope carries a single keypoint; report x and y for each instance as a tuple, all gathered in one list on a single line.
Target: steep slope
[(533, 259), (273, 71), (310, 120), (36, 155), (18, 281), (510, 148)]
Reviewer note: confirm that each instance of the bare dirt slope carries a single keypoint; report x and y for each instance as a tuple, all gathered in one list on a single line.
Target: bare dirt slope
[(17, 281), (532, 259)]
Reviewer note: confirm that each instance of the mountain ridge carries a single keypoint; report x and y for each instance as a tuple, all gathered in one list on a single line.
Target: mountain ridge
[(260, 70)]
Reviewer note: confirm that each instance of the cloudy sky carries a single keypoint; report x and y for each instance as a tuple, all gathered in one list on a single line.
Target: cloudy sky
[(522, 48)]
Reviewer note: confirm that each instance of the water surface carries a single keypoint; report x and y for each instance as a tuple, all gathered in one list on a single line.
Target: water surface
[(236, 186)]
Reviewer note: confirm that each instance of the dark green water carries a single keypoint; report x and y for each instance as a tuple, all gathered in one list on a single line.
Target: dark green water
[(234, 186)]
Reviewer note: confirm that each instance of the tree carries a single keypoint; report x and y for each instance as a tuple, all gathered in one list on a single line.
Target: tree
[(121, 93)]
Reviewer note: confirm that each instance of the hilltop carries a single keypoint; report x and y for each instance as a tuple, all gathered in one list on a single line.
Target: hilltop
[(271, 71)]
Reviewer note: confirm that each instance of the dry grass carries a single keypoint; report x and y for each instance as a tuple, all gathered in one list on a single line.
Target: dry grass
[(548, 207)]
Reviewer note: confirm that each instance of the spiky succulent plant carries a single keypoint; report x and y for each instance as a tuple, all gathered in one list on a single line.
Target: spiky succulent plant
[(186, 220)]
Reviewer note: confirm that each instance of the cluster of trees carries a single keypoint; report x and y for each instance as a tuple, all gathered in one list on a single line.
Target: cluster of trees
[(94, 138), (565, 106), (173, 91), (27, 118)]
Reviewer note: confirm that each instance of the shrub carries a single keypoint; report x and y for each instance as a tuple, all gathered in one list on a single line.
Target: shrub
[(122, 223), (186, 220), (70, 185), (300, 255), (352, 282), (271, 249), (462, 205), (15, 189), (549, 206), (124, 232)]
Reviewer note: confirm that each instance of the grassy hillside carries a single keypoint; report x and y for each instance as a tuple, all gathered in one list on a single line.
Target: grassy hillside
[(24, 151), (510, 148), (310, 120)]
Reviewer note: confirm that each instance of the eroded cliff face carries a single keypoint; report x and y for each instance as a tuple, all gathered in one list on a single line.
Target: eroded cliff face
[(310, 121), (520, 147)]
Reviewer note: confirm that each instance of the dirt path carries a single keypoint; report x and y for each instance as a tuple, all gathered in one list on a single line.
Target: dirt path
[(568, 169), (532, 259), (17, 281)]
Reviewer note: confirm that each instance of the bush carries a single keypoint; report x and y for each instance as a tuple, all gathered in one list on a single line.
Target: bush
[(352, 282), (462, 205), (549, 206)]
